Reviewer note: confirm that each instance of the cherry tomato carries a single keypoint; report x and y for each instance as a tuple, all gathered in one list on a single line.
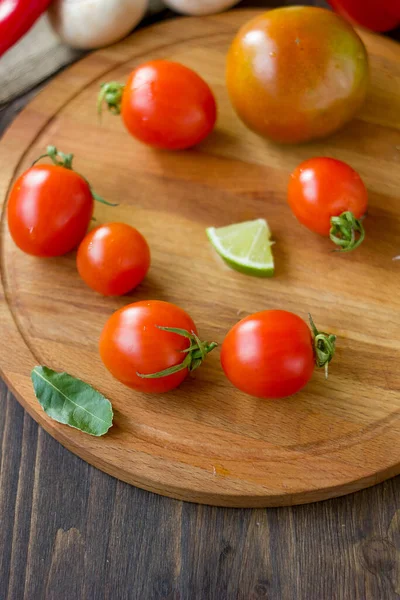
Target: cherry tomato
[(143, 340), (271, 354), (320, 191), (378, 15), (49, 210), (164, 104), (297, 73), (113, 259)]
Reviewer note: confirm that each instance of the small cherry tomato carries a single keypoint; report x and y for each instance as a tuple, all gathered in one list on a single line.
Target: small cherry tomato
[(113, 259), (164, 104), (50, 207), (151, 346), (49, 210), (272, 354), (329, 198)]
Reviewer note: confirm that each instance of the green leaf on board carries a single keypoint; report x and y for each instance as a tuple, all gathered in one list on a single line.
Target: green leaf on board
[(71, 401)]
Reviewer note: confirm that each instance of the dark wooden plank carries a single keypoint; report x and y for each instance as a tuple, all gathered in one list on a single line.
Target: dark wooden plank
[(68, 531), (11, 446), (23, 505)]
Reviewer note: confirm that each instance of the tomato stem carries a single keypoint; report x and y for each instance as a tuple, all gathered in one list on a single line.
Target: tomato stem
[(324, 346), (60, 159), (346, 231), (111, 93), (195, 354)]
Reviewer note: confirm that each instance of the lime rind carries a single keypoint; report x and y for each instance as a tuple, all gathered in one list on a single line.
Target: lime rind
[(245, 247)]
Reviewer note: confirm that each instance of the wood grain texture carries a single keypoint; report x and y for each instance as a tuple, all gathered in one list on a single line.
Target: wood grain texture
[(207, 442), (68, 530)]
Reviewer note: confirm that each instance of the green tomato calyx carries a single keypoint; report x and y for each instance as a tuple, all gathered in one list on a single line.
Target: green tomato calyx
[(195, 354), (346, 232), (324, 346), (111, 93)]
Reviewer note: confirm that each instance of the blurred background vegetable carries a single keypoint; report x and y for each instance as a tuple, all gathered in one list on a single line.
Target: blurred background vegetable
[(16, 18), (95, 23), (378, 15), (89, 24)]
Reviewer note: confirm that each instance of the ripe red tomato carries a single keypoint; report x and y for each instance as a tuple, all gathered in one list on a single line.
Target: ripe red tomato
[(324, 188), (297, 73), (164, 104), (271, 354), (49, 210), (137, 345), (378, 15), (113, 259)]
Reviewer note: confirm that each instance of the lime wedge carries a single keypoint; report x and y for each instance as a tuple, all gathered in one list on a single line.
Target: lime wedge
[(246, 247)]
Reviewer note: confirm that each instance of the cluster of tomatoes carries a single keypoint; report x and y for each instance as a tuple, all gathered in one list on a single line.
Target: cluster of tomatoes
[(153, 345)]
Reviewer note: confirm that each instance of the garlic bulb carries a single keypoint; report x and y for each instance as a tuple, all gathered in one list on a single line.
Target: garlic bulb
[(200, 7), (95, 23)]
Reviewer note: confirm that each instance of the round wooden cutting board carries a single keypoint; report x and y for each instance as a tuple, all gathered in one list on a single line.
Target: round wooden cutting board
[(207, 442)]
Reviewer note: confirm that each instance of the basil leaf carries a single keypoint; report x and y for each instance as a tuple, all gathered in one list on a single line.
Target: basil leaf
[(71, 401)]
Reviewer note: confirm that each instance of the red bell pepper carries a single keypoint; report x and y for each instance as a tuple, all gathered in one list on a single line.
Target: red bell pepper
[(378, 15), (16, 18)]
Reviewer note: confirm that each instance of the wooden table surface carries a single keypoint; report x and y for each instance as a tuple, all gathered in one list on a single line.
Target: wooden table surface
[(70, 532)]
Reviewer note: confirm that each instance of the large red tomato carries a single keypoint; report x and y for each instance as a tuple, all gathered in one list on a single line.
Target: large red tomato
[(145, 346), (378, 15), (297, 73), (272, 354)]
